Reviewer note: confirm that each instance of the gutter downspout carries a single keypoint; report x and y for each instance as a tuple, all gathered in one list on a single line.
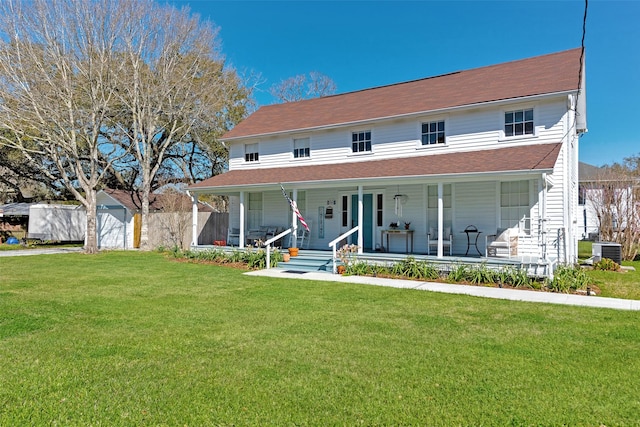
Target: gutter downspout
[(543, 225)]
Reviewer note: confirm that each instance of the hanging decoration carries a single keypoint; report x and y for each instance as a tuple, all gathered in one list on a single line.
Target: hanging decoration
[(400, 199)]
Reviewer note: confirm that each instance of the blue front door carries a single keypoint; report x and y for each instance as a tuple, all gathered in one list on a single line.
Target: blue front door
[(367, 219)]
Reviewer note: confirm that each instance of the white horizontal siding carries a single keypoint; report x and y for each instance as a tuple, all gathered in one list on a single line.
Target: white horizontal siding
[(555, 207), (479, 128), (475, 204), (550, 121), (475, 129)]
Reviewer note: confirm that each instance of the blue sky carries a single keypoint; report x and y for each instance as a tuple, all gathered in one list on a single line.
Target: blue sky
[(362, 44)]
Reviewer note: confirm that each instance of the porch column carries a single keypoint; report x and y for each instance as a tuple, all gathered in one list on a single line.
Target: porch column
[(241, 238), (194, 219), (294, 220), (440, 218), (360, 219)]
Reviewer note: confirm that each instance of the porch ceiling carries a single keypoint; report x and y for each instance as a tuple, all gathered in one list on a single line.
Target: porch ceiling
[(519, 159)]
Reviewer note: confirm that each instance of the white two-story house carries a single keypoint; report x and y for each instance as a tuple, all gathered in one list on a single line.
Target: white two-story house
[(490, 148)]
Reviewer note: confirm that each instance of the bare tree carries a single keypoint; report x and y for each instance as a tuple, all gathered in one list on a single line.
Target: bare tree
[(177, 94), (19, 181), (300, 87), (57, 81), (90, 88), (614, 198)]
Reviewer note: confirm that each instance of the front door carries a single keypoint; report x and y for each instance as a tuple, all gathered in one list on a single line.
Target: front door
[(367, 219)]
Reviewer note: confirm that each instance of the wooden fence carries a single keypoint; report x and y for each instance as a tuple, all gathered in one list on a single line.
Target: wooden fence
[(174, 228)]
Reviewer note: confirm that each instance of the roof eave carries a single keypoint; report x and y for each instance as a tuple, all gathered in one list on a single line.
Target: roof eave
[(392, 180)]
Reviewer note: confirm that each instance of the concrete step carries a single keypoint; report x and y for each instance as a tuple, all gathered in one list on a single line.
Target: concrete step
[(308, 262)]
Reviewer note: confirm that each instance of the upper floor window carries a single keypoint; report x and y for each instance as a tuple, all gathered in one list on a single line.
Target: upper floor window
[(361, 141), (519, 122), (251, 152), (433, 133), (301, 147)]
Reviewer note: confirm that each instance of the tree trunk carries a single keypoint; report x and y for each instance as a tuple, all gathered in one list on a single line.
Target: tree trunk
[(91, 244), (144, 228)]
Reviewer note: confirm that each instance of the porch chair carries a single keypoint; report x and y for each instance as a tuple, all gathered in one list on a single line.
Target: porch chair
[(302, 237), (447, 240), (505, 238), (233, 237)]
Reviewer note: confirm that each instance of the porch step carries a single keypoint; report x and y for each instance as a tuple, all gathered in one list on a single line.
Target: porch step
[(308, 261)]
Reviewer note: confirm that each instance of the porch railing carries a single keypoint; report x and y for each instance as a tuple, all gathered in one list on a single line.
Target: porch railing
[(268, 243), (335, 241)]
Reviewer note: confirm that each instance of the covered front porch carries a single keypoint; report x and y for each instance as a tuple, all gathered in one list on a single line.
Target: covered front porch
[(500, 203), (452, 221)]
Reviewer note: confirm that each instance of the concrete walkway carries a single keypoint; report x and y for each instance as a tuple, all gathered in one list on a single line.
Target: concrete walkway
[(478, 291), (44, 251)]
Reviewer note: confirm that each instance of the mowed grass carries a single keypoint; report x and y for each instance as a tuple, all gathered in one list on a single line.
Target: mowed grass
[(126, 338), (624, 284)]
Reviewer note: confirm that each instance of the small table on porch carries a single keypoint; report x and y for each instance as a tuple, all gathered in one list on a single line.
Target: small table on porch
[(406, 233), (472, 231)]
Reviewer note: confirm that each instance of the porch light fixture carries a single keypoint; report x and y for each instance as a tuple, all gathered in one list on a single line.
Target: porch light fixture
[(400, 199)]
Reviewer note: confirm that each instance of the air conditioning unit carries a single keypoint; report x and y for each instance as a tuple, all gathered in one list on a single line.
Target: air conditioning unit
[(609, 250)]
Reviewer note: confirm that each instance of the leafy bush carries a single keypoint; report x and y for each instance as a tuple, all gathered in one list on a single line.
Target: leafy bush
[(414, 269), (480, 275), (459, 273), (359, 268), (606, 264), (569, 278), (255, 259), (515, 277)]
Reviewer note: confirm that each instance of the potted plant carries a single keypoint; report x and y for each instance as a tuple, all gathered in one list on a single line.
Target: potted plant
[(345, 254), (407, 225)]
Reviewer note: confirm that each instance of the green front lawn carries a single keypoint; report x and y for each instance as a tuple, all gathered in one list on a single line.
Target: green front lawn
[(125, 338), (624, 284), (7, 247)]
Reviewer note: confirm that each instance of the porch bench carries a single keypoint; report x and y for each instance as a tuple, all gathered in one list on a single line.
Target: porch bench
[(504, 239)]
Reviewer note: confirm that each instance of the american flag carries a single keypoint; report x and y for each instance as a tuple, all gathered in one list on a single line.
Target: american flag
[(294, 206)]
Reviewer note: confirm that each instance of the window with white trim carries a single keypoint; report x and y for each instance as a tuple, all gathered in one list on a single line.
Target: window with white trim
[(361, 141), (518, 122), (300, 147), (254, 211), (515, 205), (344, 208), (251, 152), (433, 133), (379, 210)]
